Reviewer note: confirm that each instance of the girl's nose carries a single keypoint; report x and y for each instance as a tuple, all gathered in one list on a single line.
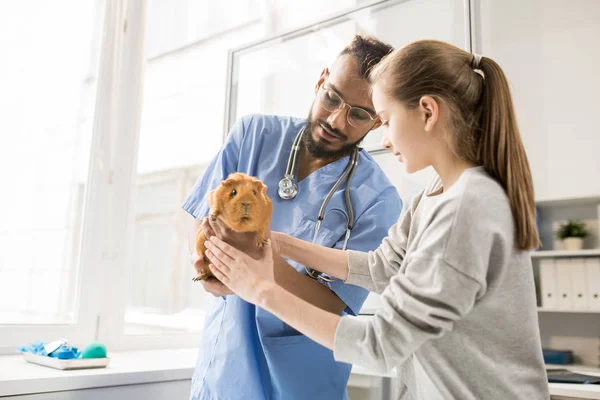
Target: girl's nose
[(385, 143)]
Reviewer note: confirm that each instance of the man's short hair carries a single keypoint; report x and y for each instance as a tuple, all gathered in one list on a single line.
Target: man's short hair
[(367, 51)]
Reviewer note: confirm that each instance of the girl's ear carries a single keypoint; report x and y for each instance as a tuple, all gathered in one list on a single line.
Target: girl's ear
[(430, 110)]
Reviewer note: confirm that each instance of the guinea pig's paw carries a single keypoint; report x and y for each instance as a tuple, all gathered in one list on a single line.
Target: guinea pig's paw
[(201, 276)]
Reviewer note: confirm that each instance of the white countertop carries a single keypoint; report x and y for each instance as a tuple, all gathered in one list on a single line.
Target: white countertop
[(18, 377), (575, 390)]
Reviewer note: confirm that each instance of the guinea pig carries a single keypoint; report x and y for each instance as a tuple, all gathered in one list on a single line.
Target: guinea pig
[(241, 201)]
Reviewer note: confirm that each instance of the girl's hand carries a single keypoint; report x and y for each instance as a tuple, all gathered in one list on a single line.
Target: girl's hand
[(211, 285), (245, 276), (276, 238), (245, 241)]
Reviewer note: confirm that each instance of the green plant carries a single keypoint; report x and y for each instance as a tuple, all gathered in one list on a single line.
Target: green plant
[(571, 229)]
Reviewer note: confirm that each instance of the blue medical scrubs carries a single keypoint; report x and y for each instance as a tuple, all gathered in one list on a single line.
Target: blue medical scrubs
[(246, 352)]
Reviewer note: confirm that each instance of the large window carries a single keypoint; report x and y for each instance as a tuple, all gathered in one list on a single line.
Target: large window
[(278, 76), (110, 112), (48, 81)]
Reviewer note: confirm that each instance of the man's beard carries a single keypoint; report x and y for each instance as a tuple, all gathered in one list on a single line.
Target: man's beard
[(317, 151)]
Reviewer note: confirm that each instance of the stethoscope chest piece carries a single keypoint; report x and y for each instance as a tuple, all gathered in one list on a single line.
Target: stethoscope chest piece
[(287, 188)]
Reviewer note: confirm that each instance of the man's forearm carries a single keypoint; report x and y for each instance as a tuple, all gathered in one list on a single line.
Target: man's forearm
[(333, 262), (306, 288), (317, 324)]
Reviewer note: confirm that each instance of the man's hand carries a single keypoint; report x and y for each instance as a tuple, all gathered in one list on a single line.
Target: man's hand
[(244, 242), (215, 287), (211, 285)]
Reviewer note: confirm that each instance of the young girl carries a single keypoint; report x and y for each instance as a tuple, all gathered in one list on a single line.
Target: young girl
[(459, 316)]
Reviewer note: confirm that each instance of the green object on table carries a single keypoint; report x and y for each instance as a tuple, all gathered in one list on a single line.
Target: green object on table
[(94, 349)]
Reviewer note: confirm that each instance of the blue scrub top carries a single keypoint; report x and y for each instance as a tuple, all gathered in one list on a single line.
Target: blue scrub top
[(246, 352)]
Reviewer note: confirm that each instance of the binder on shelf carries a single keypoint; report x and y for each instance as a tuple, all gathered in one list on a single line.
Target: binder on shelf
[(579, 283), (548, 283), (563, 268), (557, 357), (593, 282)]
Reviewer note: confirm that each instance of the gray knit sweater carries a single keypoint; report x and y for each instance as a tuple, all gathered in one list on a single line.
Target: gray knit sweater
[(459, 318)]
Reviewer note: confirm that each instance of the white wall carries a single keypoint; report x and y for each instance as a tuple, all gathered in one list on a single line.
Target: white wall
[(550, 52), (548, 49)]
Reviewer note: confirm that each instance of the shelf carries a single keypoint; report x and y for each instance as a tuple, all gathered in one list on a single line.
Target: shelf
[(575, 311), (568, 202), (575, 367), (565, 253)]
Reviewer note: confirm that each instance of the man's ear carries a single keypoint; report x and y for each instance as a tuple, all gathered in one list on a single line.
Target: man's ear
[(322, 78)]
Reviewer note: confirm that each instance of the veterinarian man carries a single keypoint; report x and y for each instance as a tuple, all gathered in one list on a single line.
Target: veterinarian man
[(246, 352)]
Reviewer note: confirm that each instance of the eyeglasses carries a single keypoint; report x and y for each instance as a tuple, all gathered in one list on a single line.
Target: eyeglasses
[(357, 117)]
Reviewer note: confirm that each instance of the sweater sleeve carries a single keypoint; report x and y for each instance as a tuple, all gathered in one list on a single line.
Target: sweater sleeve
[(425, 299), (373, 270), (411, 313)]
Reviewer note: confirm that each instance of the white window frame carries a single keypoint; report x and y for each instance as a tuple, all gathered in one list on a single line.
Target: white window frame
[(183, 177), (113, 214), (113, 158)]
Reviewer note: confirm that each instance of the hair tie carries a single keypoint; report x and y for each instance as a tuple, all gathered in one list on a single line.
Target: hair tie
[(475, 61)]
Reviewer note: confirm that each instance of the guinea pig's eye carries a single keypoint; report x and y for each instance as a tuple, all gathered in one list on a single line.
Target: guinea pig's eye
[(254, 191), (233, 193)]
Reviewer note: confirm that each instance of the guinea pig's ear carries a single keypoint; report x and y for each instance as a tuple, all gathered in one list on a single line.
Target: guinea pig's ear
[(264, 188), (228, 182), (211, 198), (258, 185)]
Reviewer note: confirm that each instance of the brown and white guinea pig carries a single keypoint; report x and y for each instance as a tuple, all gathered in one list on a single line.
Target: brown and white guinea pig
[(241, 201)]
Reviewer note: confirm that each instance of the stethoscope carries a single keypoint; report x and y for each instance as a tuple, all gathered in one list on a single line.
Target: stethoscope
[(288, 190)]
